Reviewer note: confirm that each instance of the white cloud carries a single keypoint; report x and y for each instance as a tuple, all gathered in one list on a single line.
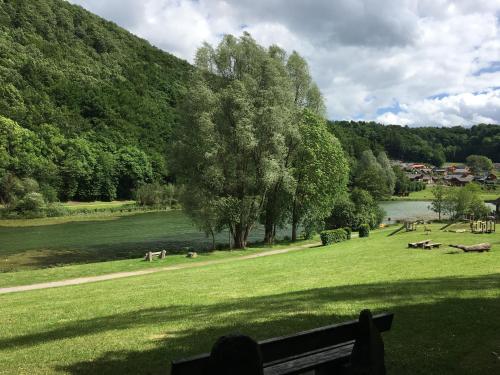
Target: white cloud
[(460, 109), (365, 55)]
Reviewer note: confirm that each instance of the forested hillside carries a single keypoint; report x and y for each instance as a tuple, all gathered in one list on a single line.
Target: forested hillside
[(87, 109), (426, 144), (92, 104)]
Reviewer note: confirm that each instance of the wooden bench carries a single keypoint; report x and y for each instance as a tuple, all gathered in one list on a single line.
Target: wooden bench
[(430, 245), (159, 254), (322, 349), (418, 244)]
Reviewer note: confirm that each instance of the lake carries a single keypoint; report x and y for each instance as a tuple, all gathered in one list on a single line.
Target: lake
[(400, 210)]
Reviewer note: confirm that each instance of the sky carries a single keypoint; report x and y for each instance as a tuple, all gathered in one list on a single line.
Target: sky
[(407, 62)]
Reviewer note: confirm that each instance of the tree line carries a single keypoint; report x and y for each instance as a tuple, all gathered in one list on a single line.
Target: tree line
[(84, 168), (426, 144)]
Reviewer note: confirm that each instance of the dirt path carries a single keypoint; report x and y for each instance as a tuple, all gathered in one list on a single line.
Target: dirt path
[(120, 275)]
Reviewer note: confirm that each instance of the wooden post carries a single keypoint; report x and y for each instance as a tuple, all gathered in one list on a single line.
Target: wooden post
[(150, 256), (163, 254)]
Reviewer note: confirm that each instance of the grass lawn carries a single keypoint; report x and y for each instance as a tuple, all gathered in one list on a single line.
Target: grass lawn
[(97, 204), (27, 277), (446, 306), (41, 243), (426, 195)]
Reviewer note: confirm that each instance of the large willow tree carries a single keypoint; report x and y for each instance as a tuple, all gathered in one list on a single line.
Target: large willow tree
[(230, 146), (238, 146)]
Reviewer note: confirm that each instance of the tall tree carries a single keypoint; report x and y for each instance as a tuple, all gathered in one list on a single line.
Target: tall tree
[(479, 164), (369, 175), (230, 146), (321, 174), (390, 177), (438, 203), (306, 94)]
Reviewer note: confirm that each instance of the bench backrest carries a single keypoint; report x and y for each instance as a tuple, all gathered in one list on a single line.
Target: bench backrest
[(288, 346)]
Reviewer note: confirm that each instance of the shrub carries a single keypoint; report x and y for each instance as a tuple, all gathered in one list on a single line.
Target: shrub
[(31, 202), (156, 194), (348, 230), (332, 236), (56, 210), (364, 230), (49, 193)]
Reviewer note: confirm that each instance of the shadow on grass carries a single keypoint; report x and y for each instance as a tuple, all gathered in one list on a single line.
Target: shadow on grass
[(432, 332)]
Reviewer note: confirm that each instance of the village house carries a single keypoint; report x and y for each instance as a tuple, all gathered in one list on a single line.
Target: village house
[(487, 179), (458, 169), (458, 179)]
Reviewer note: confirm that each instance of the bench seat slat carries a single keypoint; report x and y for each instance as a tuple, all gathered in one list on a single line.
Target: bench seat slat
[(309, 361)]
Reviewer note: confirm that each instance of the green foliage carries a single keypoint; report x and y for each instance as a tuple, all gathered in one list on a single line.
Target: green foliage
[(364, 230), (438, 203), (462, 202), (73, 82), (56, 210), (348, 230), (320, 172), (432, 145), (156, 194), (350, 211), (31, 202), (334, 235), (230, 146), (134, 169), (479, 164), (374, 175)]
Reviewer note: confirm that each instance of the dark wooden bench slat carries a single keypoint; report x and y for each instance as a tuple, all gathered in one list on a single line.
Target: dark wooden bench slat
[(276, 349), (308, 361), (288, 346)]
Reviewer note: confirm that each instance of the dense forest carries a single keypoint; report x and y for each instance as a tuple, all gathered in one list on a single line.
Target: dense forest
[(87, 109), (427, 144), (86, 98)]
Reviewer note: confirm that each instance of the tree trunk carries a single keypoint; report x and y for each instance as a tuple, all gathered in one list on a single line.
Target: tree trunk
[(479, 247), (295, 221), (239, 237), (268, 229), (294, 232)]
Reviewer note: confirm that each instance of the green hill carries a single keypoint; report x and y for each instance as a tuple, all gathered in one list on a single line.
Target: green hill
[(88, 79)]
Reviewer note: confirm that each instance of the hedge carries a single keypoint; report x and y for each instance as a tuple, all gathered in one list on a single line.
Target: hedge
[(364, 230), (348, 231), (335, 235)]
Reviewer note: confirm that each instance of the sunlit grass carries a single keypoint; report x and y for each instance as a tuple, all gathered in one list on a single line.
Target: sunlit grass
[(446, 306)]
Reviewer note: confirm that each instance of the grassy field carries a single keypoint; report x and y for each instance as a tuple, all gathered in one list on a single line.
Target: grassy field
[(446, 306), (48, 242), (27, 277), (426, 195), (97, 204)]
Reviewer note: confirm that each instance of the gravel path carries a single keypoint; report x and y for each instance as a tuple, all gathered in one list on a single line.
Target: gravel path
[(120, 275)]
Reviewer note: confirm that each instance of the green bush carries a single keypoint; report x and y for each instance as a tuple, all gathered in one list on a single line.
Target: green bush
[(56, 210), (156, 194), (334, 235), (364, 230), (31, 202), (348, 230)]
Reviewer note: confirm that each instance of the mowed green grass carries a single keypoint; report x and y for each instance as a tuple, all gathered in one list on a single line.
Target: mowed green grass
[(446, 306), (426, 195), (73, 205), (27, 277), (41, 243)]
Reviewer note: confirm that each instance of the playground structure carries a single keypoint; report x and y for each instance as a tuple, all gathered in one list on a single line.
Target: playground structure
[(479, 226), (410, 225)]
